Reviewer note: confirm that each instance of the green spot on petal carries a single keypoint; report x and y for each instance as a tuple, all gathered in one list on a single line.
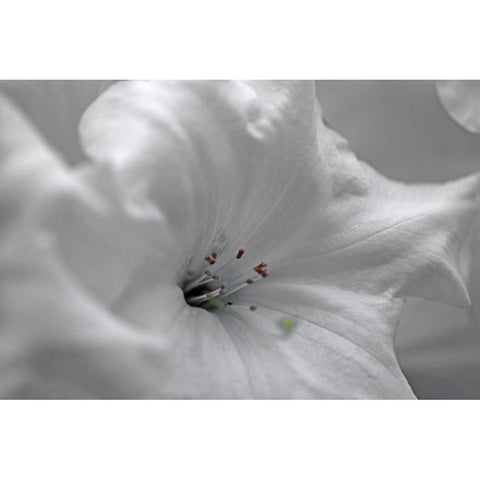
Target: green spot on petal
[(287, 323)]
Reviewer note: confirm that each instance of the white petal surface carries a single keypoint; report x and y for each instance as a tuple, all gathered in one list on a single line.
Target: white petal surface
[(402, 128), (461, 99)]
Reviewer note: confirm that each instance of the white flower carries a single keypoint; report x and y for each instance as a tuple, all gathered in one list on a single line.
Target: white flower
[(104, 290)]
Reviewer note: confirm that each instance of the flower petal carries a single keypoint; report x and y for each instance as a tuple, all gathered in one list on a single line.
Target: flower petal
[(385, 236), (55, 106), (461, 99), (58, 342), (98, 238), (223, 161), (239, 353)]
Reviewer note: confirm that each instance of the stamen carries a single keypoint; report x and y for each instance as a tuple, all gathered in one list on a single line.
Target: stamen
[(260, 268), (239, 255), (210, 260), (198, 292), (234, 290), (216, 292), (197, 300), (241, 278), (202, 280)]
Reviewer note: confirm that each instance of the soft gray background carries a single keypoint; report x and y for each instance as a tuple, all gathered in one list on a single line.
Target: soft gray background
[(401, 128)]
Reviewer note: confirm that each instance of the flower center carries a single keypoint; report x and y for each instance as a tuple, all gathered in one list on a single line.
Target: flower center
[(213, 290), (209, 291)]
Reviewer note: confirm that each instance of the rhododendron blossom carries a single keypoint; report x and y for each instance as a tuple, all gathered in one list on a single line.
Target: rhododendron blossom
[(215, 240)]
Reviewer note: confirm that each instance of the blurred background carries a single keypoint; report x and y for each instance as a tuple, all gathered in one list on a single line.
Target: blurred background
[(402, 129)]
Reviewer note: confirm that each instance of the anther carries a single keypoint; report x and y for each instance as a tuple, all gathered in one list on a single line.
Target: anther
[(240, 253), (214, 255), (253, 308), (260, 267), (249, 281)]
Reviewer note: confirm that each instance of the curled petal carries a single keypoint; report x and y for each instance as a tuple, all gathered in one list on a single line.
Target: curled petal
[(98, 239), (461, 99), (55, 107)]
